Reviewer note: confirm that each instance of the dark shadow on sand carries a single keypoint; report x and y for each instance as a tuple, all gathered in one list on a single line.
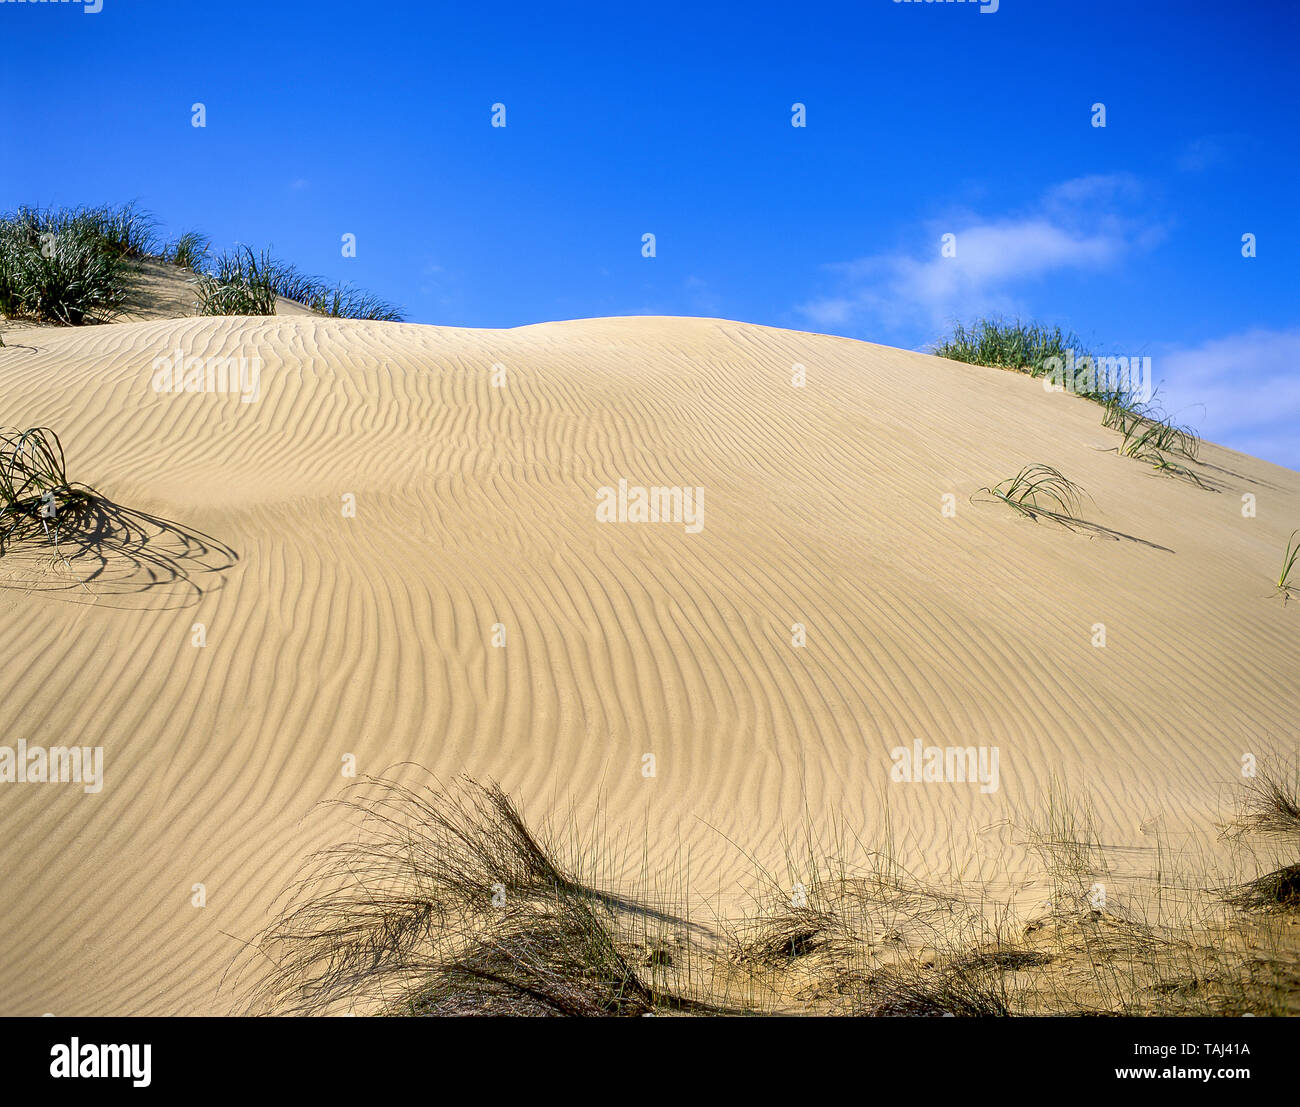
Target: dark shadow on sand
[(104, 550)]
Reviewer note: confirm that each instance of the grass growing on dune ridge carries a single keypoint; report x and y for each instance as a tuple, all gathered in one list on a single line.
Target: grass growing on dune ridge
[(75, 266), (1002, 344), (190, 251), (1147, 433), (448, 903), (248, 282)]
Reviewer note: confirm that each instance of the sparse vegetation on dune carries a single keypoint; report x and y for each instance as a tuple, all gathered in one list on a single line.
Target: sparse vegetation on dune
[(448, 904), (247, 282), (1148, 435), (74, 266), (1270, 808), (36, 497), (241, 283), (1285, 585), (190, 251), (61, 266), (1001, 344), (1145, 428), (1039, 491)]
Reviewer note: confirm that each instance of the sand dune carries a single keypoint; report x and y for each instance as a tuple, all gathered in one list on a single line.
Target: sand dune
[(372, 635)]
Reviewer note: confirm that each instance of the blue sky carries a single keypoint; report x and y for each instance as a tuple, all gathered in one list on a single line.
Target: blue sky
[(329, 118)]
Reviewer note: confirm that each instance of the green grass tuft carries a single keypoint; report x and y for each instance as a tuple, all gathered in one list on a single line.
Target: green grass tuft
[(36, 496), (248, 283), (1039, 490), (74, 266), (995, 342), (190, 251), (1289, 558)]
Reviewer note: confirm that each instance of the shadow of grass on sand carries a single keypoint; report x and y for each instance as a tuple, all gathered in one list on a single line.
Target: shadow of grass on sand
[(97, 549)]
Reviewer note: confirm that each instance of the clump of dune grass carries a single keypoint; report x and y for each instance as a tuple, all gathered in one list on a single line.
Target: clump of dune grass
[(127, 231), (1270, 805), (1039, 491), (245, 282), (549, 957), (1002, 344), (969, 989), (782, 935), (1032, 348), (58, 266), (1285, 586), (346, 302), (241, 283), (36, 496), (1150, 436), (1145, 427), (1275, 891), (1151, 440), (190, 251), (446, 903)]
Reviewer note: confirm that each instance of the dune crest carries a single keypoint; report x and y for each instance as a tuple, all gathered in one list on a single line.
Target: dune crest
[(402, 561)]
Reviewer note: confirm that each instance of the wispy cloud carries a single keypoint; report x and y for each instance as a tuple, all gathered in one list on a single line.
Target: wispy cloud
[(1078, 225), (1242, 391)]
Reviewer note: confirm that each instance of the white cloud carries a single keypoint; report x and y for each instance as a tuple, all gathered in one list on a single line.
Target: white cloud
[(1076, 226), (1242, 391)]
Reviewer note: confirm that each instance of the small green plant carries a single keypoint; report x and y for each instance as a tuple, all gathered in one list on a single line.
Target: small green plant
[(1145, 436), (35, 493), (1039, 490), (1284, 585), (1148, 441)]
